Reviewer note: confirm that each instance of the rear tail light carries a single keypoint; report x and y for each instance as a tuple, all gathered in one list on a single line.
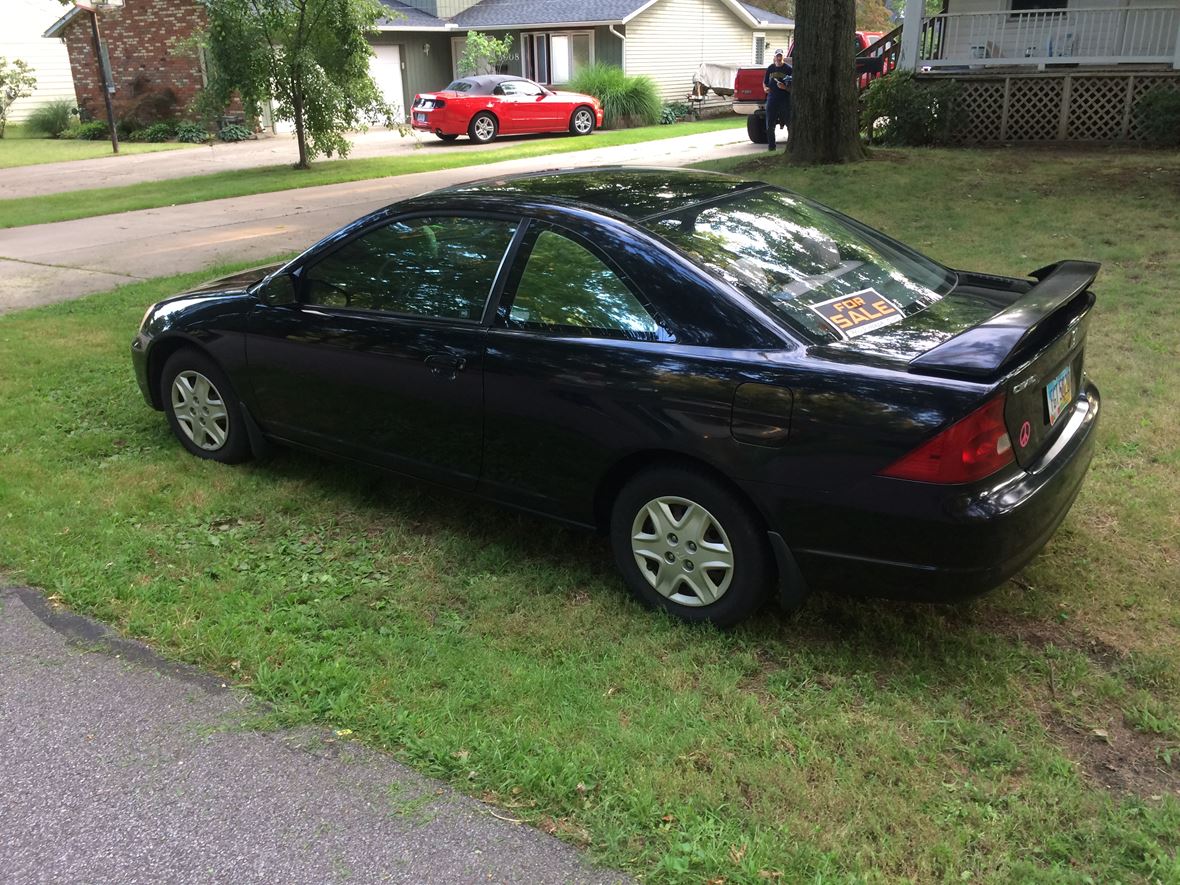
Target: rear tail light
[(439, 103), (970, 449)]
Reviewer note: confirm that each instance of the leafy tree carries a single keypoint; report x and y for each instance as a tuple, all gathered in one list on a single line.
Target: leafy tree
[(483, 54), (309, 55), (873, 15), (824, 125), (16, 81)]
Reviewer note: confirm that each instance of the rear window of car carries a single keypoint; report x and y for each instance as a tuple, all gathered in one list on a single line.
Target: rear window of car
[(460, 86), (827, 276)]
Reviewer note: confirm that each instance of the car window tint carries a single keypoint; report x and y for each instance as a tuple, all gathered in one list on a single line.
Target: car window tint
[(428, 267), (505, 89), (460, 86), (566, 287)]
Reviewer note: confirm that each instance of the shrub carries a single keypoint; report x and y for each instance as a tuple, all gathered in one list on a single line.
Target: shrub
[(53, 119), (234, 132), (192, 133), (898, 110), (1158, 114), (158, 132), (673, 111), (95, 130), (626, 101)]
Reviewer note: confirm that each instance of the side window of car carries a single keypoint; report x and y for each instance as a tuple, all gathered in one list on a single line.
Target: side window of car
[(565, 287), (424, 267), (530, 89), (504, 89)]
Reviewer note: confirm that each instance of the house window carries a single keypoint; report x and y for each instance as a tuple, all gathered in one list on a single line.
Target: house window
[(1038, 5), (555, 58), (759, 49)]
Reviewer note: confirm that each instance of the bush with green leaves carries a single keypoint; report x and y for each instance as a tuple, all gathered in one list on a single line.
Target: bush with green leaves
[(95, 130), (159, 132), (52, 120), (673, 111), (1158, 115), (626, 101), (234, 132), (192, 133), (899, 110)]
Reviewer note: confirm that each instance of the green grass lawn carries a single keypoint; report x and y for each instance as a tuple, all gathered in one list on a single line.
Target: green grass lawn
[(238, 183), (1031, 736), (20, 147)]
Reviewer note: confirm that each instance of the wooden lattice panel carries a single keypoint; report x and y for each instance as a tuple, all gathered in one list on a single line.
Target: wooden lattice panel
[(983, 105), (1097, 106), (1093, 107), (1034, 108), (1142, 86)]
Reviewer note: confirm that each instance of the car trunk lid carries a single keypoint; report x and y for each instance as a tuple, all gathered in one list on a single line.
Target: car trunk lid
[(1031, 338)]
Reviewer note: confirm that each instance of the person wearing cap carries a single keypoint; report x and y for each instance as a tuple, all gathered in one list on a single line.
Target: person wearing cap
[(778, 96)]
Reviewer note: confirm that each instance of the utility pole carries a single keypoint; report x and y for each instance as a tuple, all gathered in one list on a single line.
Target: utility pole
[(104, 74)]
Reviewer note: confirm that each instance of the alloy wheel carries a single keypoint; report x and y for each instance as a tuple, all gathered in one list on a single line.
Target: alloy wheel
[(583, 122)]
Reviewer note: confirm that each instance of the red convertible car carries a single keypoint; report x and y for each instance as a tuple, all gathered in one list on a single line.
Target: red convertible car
[(496, 104)]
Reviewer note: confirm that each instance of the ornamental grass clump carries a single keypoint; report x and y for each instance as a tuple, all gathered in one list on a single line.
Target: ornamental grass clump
[(626, 101), (54, 119)]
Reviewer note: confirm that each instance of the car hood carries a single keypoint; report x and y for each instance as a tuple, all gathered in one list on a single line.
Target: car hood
[(243, 279)]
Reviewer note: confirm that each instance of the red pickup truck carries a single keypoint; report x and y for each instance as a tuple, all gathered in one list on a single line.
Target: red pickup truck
[(749, 95)]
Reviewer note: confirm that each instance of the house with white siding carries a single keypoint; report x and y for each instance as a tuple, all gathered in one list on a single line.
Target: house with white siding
[(666, 40), (20, 37), (1045, 70)]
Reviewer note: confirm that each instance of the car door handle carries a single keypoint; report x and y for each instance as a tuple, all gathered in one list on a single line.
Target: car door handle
[(445, 365)]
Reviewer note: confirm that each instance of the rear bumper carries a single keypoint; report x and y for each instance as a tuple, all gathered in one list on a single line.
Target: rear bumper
[(749, 107), (949, 543)]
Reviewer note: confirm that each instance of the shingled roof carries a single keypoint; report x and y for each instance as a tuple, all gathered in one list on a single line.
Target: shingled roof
[(491, 14)]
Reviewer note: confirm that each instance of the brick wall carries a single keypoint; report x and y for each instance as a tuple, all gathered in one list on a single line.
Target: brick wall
[(143, 43)]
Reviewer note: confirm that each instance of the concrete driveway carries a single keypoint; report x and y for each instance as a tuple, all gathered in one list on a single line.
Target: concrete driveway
[(46, 263)]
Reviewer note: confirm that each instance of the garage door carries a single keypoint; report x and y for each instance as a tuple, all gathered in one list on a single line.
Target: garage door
[(386, 69)]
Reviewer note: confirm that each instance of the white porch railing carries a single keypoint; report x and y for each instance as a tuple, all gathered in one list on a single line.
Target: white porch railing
[(1143, 34)]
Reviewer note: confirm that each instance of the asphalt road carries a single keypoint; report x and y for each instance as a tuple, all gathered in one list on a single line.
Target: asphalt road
[(118, 766)]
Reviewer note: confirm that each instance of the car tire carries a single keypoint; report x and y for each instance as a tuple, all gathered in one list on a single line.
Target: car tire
[(686, 543), (482, 128), (582, 121), (447, 136), (756, 128), (202, 408)]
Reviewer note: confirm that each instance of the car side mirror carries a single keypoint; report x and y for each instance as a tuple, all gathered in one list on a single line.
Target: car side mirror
[(279, 290)]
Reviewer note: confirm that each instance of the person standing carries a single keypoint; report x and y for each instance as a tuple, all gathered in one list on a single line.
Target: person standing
[(778, 96)]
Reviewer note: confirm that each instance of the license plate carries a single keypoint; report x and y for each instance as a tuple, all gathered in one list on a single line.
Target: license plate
[(1059, 394), (421, 118)]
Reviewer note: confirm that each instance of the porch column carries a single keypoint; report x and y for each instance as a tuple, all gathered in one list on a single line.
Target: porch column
[(911, 34)]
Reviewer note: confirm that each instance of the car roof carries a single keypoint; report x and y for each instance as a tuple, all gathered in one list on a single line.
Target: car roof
[(636, 193), (484, 84)]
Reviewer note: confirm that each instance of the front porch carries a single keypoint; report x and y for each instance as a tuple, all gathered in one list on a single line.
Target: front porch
[(1060, 33)]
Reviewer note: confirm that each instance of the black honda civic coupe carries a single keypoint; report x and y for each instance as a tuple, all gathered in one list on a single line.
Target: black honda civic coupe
[(751, 393)]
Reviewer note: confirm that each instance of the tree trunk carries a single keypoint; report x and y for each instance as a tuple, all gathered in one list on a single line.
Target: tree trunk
[(824, 126), (300, 133)]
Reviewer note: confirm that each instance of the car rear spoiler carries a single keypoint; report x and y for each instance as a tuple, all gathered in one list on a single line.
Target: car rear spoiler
[(980, 351)]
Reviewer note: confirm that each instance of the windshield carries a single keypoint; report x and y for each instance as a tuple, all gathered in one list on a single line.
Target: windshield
[(460, 86), (827, 276)]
